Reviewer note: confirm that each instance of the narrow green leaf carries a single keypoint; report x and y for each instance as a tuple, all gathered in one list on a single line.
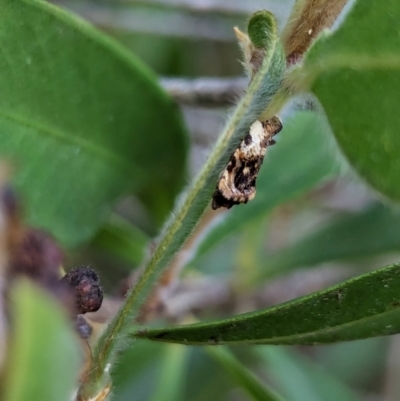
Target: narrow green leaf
[(261, 29), (122, 239), (171, 383), (303, 157), (84, 121), (371, 232), (300, 379), (355, 72), (44, 356), (253, 386), (362, 307)]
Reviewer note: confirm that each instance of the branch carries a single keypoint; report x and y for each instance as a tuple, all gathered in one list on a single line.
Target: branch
[(307, 20), (205, 92)]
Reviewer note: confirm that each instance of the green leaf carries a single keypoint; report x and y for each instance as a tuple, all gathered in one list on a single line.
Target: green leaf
[(44, 356), (253, 386), (362, 307), (122, 239), (368, 233), (300, 379), (261, 29), (137, 366), (290, 168), (355, 73), (84, 121), (171, 383)]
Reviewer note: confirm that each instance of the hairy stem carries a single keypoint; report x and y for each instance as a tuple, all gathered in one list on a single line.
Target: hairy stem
[(189, 211), (307, 20)]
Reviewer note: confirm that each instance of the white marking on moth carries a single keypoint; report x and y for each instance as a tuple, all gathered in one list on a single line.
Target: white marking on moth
[(237, 182)]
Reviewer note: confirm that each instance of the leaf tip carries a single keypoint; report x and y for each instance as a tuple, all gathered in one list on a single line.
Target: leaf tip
[(262, 28)]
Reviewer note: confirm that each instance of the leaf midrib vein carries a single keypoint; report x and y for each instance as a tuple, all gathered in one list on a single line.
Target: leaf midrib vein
[(272, 340), (89, 147)]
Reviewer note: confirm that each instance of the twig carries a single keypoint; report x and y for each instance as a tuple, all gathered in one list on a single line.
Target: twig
[(307, 20), (215, 92), (220, 296), (126, 19), (205, 294)]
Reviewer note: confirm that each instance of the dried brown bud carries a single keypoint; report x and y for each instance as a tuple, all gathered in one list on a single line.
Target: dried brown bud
[(37, 255), (86, 284), (9, 201)]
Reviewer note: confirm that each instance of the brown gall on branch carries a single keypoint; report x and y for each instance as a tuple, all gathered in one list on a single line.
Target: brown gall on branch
[(307, 20)]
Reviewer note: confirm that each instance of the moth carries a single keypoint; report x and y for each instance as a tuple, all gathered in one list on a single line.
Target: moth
[(237, 183)]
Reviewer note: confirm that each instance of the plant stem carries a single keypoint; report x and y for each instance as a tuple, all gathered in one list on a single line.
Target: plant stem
[(307, 20), (189, 211)]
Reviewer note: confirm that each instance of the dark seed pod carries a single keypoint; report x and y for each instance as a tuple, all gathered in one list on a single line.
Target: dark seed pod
[(86, 284)]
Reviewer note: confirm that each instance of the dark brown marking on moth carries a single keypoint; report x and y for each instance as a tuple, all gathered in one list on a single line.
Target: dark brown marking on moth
[(248, 139), (161, 335), (231, 165), (237, 183)]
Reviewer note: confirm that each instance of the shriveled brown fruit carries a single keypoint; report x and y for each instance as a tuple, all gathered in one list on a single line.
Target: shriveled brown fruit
[(86, 284)]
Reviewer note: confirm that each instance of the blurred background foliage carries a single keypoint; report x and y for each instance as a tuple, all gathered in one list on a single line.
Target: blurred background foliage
[(316, 224)]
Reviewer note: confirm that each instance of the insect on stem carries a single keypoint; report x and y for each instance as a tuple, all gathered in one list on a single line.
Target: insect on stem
[(237, 183)]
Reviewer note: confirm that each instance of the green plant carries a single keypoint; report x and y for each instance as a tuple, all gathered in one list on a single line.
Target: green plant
[(87, 123)]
